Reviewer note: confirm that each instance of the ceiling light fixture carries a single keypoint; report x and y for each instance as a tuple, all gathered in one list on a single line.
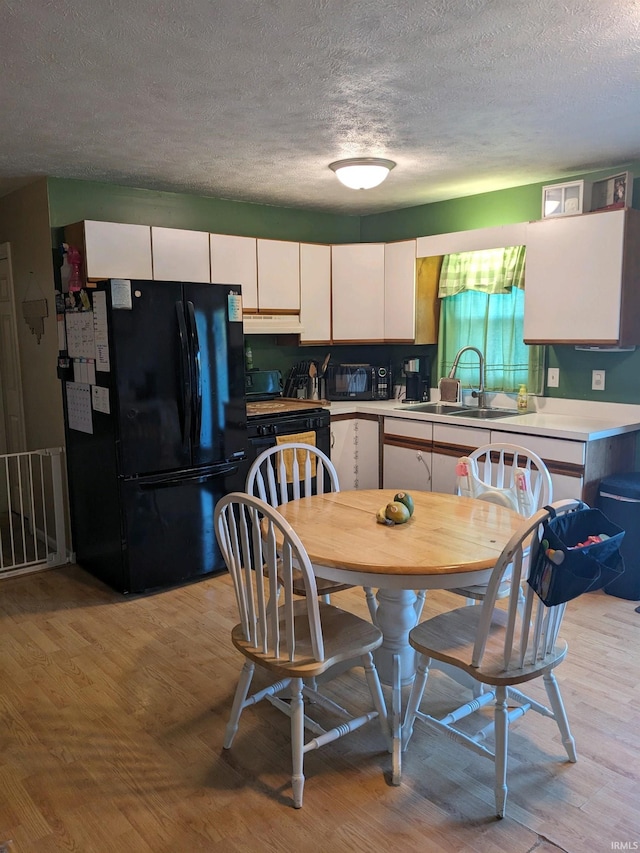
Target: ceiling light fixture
[(362, 173)]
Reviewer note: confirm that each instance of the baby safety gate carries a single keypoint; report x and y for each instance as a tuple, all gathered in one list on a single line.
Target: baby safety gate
[(32, 525)]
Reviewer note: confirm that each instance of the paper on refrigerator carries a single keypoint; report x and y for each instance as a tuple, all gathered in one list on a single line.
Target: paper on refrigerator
[(101, 332)]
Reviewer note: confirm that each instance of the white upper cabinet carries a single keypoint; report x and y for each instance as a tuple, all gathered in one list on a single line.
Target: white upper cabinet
[(400, 291), (278, 275), (112, 249), (315, 293), (234, 261), (581, 279), (357, 272), (180, 255)]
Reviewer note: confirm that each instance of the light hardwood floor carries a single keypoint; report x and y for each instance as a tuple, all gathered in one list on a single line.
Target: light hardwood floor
[(113, 712)]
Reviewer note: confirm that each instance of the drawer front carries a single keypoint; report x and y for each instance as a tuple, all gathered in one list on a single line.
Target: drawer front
[(411, 429), (459, 436), (549, 449)]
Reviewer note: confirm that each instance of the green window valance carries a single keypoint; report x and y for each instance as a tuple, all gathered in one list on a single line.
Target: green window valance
[(486, 271)]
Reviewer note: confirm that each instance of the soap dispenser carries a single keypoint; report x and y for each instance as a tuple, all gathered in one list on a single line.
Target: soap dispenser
[(522, 402)]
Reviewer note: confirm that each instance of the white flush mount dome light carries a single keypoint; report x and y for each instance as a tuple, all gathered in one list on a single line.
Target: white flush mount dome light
[(362, 173)]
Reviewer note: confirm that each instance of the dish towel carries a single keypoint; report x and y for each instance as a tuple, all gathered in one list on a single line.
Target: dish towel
[(287, 456)]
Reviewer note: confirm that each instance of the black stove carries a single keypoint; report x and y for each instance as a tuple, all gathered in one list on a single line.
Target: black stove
[(278, 416)]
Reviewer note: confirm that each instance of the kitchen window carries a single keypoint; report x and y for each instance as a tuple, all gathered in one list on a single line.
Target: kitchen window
[(482, 305)]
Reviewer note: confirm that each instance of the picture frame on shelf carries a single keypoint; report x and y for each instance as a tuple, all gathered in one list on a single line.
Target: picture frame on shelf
[(613, 192), (566, 199)]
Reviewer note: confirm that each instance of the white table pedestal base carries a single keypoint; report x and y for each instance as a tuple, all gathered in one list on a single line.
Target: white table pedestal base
[(397, 612), (396, 616)]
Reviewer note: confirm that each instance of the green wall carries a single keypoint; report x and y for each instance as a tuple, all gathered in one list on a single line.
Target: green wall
[(519, 204), (621, 378), (73, 201)]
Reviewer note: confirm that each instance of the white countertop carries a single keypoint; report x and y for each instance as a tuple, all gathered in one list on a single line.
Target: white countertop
[(577, 420)]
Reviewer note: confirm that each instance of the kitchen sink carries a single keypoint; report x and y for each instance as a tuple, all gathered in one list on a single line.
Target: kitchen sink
[(458, 411), (431, 408), (482, 414)]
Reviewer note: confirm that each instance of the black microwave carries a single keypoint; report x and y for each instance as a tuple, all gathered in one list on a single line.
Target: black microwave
[(358, 382)]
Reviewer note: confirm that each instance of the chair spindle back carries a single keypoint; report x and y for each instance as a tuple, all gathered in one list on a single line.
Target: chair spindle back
[(531, 631), (260, 568)]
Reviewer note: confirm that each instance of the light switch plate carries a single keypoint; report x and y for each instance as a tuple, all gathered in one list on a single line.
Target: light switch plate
[(597, 380), (553, 377)]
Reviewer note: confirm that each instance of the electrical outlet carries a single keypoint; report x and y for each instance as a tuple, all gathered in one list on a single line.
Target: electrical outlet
[(597, 380), (553, 377)]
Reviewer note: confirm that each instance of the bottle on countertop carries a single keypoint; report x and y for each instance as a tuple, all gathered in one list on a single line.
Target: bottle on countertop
[(248, 356), (522, 401)]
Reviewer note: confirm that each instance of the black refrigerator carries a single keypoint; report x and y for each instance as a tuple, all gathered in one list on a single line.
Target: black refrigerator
[(156, 428)]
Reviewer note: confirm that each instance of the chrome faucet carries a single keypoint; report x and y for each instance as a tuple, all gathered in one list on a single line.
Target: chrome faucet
[(480, 392)]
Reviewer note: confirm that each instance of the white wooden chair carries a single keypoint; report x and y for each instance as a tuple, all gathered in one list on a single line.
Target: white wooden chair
[(509, 475), (502, 645), (288, 472), (296, 642)]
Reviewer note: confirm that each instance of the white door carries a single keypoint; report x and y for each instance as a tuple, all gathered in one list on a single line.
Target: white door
[(400, 291), (357, 274), (406, 468), (342, 452), (278, 275), (234, 261), (366, 442), (315, 293), (12, 433)]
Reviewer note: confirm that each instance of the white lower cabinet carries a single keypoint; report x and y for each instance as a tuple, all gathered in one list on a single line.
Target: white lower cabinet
[(355, 443), (449, 444), (342, 451), (407, 455), (422, 455), (565, 460), (576, 466)]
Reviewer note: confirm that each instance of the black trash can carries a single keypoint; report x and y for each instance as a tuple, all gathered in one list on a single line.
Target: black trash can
[(619, 500)]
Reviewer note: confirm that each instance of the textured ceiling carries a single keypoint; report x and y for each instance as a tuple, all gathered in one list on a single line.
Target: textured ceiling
[(252, 99)]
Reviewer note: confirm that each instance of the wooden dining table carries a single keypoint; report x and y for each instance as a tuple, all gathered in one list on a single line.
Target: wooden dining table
[(448, 542)]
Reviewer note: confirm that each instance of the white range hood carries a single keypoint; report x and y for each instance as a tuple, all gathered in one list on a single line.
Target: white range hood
[(272, 324)]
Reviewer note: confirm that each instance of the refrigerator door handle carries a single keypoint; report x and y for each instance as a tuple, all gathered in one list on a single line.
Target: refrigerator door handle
[(197, 375), (162, 481), (185, 403)]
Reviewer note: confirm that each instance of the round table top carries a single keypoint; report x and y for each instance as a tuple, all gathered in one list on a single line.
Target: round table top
[(446, 534)]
